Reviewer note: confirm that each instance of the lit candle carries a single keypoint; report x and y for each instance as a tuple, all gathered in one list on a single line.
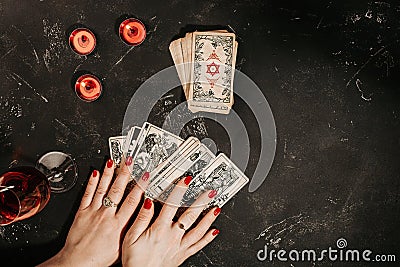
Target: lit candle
[(132, 31), (82, 41), (88, 87)]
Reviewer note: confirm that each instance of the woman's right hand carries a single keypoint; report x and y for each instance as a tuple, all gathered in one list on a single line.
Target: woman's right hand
[(168, 243)]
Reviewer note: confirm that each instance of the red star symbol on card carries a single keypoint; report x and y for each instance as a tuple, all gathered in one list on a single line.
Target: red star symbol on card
[(212, 69)]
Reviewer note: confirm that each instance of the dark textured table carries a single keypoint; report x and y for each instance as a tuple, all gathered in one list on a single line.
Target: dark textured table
[(329, 70)]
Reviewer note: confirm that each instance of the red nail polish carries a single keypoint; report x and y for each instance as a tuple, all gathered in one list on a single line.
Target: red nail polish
[(212, 193), (145, 176), (128, 161), (215, 232), (110, 163), (94, 174), (217, 211), (147, 203), (187, 180)]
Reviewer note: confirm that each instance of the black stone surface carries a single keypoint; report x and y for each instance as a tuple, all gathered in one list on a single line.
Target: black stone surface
[(329, 70)]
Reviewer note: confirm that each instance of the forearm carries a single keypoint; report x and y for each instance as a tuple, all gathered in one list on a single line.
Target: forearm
[(63, 259), (57, 260)]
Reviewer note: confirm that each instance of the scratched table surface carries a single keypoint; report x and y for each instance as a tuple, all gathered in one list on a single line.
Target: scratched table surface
[(329, 70)]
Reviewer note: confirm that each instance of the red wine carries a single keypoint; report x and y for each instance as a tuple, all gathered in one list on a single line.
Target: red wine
[(28, 193), (9, 207)]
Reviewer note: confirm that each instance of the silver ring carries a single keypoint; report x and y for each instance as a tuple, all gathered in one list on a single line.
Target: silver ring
[(108, 203)]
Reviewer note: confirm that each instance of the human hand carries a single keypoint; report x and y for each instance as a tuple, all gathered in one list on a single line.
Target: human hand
[(167, 243), (97, 231)]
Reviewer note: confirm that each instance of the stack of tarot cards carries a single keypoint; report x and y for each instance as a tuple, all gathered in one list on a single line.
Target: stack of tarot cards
[(164, 158), (205, 62)]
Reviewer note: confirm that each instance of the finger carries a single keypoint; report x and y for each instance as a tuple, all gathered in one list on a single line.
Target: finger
[(132, 200), (104, 184), (204, 241), (141, 222), (124, 162), (193, 212), (90, 189), (171, 205), (118, 187), (194, 235)]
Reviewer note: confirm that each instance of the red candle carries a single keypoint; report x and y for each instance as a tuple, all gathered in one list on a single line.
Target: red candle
[(132, 31), (82, 41), (88, 87)]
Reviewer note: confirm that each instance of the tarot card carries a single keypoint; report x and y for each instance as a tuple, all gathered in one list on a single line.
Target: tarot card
[(153, 146), (173, 166), (221, 175), (212, 72), (182, 151), (131, 141), (197, 160), (115, 144), (205, 63), (175, 49)]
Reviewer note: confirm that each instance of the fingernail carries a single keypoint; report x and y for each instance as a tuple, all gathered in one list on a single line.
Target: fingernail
[(94, 174), (187, 180), (212, 193), (147, 203), (110, 163), (215, 232), (217, 211), (128, 161), (145, 176)]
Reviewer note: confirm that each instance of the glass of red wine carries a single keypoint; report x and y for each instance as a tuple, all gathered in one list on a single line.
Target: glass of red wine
[(25, 190)]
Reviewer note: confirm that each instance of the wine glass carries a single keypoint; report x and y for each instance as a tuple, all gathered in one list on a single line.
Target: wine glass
[(25, 190)]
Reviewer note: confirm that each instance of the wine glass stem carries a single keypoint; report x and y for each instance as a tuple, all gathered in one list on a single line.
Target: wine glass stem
[(53, 175), (57, 173)]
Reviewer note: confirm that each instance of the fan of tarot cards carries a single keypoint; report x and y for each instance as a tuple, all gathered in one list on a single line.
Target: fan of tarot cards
[(164, 157), (205, 62)]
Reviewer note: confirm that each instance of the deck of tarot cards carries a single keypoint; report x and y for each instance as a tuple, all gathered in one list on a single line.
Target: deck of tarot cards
[(165, 157)]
